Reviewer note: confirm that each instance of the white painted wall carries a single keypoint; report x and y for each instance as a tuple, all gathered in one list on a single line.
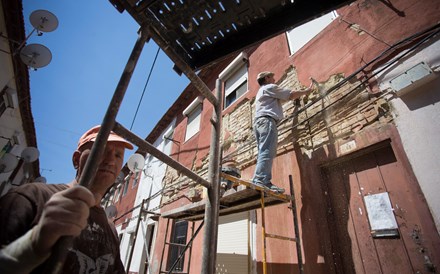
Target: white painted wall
[(417, 117), (150, 184)]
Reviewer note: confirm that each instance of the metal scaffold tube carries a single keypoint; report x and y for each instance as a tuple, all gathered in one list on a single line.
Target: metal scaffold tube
[(56, 262), (209, 248), (149, 148), (186, 69)]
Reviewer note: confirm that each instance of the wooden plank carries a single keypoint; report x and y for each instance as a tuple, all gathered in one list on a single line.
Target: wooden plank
[(243, 200), (366, 183)]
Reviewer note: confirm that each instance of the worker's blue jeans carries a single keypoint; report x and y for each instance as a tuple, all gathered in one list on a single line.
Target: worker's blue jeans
[(266, 133)]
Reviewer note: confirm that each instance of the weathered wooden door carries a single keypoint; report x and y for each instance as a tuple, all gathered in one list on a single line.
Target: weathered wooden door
[(354, 249)]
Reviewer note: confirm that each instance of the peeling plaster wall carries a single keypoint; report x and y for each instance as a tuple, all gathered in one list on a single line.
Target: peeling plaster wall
[(309, 123)]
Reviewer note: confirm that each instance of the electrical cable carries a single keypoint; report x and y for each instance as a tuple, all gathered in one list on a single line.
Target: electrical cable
[(145, 87), (434, 29)]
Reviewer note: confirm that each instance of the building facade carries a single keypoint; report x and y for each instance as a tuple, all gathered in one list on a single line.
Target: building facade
[(360, 148), (17, 131)]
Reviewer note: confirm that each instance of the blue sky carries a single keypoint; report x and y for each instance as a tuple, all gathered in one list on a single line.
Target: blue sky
[(89, 49)]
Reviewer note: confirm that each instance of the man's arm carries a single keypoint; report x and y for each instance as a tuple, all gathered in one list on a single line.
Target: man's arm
[(64, 214), (295, 94), (19, 256)]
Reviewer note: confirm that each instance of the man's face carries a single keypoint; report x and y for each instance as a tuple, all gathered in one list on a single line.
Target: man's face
[(109, 167), (270, 79)]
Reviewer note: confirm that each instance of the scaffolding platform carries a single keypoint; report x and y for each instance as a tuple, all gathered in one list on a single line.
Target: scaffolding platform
[(201, 32), (242, 200)]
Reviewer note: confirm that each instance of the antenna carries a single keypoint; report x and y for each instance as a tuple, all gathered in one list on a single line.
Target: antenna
[(30, 154), (43, 20), (35, 55), (8, 162), (136, 162)]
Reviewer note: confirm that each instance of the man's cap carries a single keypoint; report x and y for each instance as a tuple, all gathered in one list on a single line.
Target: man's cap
[(90, 136), (263, 74)]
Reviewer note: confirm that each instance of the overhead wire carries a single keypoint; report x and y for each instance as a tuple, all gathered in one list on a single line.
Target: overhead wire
[(430, 32), (145, 87)]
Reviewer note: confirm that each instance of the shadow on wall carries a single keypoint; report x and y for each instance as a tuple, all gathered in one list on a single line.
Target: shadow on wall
[(428, 94)]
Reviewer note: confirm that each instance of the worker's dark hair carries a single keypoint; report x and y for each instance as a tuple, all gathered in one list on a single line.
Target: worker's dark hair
[(261, 81)]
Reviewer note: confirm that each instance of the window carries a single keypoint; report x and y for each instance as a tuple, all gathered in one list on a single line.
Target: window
[(193, 112), (6, 149), (117, 194), (235, 76), (3, 103), (8, 98), (167, 138), (236, 85), (178, 242), (127, 182), (302, 34), (135, 180), (120, 235)]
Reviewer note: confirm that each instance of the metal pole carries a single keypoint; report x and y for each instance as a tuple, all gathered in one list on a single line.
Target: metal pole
[(164, 245), (135, 236), (144, 233), (144, 145), (59, 252), (295, 224), (263, 232), (209, 248)]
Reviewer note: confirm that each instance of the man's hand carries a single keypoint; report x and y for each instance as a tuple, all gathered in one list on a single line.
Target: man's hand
[(310, 88), (65, 214), (295, 94)]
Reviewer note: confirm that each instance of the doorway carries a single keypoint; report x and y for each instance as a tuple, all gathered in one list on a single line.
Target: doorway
[(355, 247)]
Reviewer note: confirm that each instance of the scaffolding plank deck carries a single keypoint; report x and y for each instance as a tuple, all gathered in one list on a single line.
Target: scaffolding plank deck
[(203, 31), (242, 200)]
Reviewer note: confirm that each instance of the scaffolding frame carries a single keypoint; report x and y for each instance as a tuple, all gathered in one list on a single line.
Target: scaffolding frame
[(109, 123), (263, 195)]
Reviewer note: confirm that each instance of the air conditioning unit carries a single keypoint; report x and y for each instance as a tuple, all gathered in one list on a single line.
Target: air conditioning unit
[(11, 98)]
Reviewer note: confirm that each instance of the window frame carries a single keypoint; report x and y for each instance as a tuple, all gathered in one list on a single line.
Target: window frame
[(193, 114), (234, 76), (179, 236)]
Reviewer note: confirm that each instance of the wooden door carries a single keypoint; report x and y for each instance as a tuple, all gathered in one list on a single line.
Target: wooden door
[(415, 250)]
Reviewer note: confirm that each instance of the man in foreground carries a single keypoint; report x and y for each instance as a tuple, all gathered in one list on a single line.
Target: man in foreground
[(269, 112), (35, 215)]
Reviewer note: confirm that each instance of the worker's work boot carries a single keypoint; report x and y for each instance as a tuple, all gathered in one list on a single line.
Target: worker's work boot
[(270, 187), (274, 188)]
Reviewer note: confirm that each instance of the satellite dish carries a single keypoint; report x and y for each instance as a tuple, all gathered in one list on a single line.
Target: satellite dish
[(111, 211), (30, 154), (8, 162), (136, 162), (40, 179), (35, 55), (43, 20)]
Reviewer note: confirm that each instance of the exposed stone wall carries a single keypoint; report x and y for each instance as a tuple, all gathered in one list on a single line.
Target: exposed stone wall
[(310, 123)]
